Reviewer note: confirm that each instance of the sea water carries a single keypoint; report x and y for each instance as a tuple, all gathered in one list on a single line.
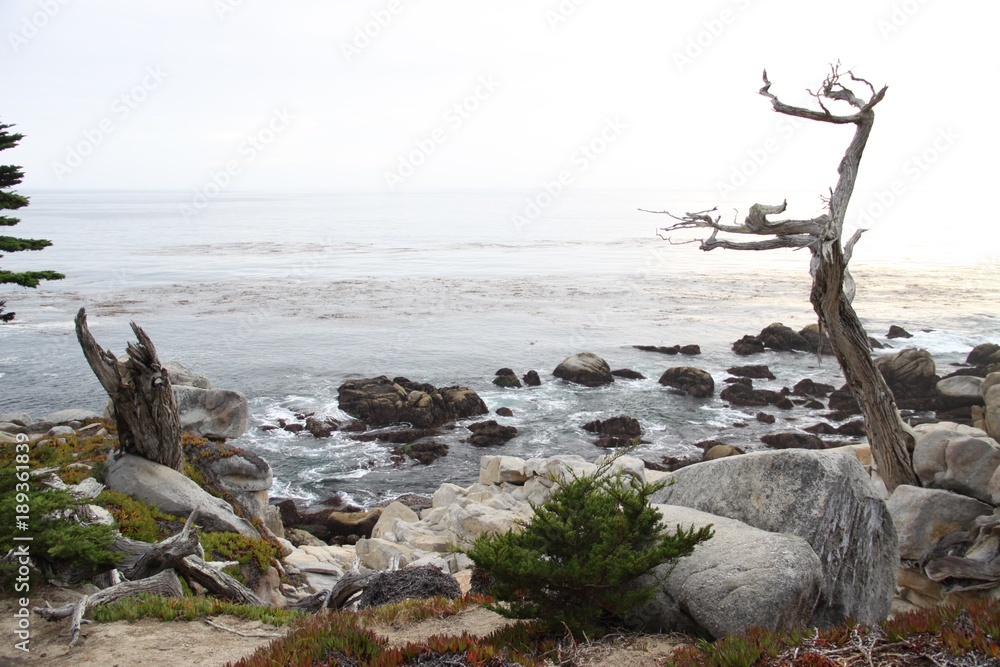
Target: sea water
[(284, 296)]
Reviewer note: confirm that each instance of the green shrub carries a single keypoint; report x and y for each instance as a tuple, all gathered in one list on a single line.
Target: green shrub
[(136, 520), (56, 541), (576, 560)]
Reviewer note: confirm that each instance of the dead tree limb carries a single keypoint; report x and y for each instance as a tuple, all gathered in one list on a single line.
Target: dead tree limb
[(833, 287), (146, 413), (337, 597), (165, 583)]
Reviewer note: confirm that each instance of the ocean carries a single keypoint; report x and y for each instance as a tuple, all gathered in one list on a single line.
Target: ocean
[(284, 296)]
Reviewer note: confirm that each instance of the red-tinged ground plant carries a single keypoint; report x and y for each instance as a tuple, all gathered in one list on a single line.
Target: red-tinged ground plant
[(575, 562)]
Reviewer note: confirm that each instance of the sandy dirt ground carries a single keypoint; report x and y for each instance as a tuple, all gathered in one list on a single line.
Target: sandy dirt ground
[(151, 643)]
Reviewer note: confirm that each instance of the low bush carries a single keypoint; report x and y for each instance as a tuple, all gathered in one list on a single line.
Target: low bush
[(575, 562)]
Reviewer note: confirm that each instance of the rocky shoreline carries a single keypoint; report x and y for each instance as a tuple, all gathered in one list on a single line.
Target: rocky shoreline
[(926, 545)]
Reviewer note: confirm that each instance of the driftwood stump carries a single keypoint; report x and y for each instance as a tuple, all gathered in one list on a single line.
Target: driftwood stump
[(149, 424)]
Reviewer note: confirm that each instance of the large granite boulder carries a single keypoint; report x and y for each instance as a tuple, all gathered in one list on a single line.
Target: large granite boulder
[(955, 461), (983, 354), (991, 420), (182, 376), (380, 402), (692, 381), (212, 413), (923, 516), (740, 578), (172, 492), (584, 368), (824, 497), (966, 388)]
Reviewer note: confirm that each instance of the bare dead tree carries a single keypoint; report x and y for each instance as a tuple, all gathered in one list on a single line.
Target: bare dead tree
[(833, 288), (149, 424)]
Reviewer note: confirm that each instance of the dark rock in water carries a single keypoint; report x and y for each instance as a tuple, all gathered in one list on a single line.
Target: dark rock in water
[(758, 371), (425, 452), (841, 415), (874, 344), (614, 442), (960, 415), (505, 412), (670, 463), (410, 583), (354, 427), (399, 436), (692, 381), (505, 377), (812, 337), (792, 441), (322, 428), (628, 374), (748, 345), (842, 400), (822, 428), (659, 349), (747, 381), (380, 402), (289, 512), (898, 332), (854, 428), (742, 395), (690, 350), (269, 427), (765, 418), (807, 387), (294, 427), (531, 379), (622, 426), (784, 403), (984, 354), (490, 434), (779, 337), (586, 369), (813, 404)]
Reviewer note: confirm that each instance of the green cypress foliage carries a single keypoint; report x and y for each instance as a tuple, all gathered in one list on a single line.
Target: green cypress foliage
[(575, 562), (11, 176)]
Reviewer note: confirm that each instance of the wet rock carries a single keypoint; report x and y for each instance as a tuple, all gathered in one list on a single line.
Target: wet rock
[(984, 354), (813, 404), (854, 429), (289, 511), (812, 336), (792, 440), (628, 374), (659, 349), (671, 463), (708, 444), (842, 400), (490, 434), (531, 379), (425, 452), (759, 372), (808, 387), (822, 428), (397, 436), (322, 428), (690, 350), (622, 425), (505, 377), (898, 332), (692, 381), (586, 369), (505, 412), (748, 345), (765, 418), (744, 396), (777, 336), (294, 427), (380, 401), (784, 403)]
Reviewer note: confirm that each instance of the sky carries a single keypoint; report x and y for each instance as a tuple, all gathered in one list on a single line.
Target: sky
[(408, 95)]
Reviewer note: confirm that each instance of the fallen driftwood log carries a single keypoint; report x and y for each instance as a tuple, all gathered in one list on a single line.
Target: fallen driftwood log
[(165, 583)]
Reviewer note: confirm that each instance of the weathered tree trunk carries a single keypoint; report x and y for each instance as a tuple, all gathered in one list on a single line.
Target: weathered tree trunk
[(823, 236), (144, 407)]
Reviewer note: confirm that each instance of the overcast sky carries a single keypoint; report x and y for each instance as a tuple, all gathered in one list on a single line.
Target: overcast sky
[(416, 94)]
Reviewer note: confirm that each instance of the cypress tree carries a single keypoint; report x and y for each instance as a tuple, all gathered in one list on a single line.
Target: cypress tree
[(10, 176)]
